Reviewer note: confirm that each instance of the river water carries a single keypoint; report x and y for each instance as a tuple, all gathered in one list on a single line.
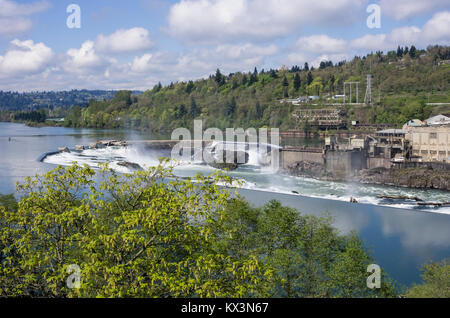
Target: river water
[(400, 236)]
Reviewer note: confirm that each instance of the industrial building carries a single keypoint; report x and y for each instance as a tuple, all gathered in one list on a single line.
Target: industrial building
[(431, 143)]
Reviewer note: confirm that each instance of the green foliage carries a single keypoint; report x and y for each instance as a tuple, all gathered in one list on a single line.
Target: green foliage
[(305, 255), (149, 234), (401, 87), (140, 235), (436, 281), (9, 202)]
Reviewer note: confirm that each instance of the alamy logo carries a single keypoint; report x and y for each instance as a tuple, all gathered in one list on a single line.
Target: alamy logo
[(374, 19), (209, 146), (74, 279), (74, 19), (374, 280)]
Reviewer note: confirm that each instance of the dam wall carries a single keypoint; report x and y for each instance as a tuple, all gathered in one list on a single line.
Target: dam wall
[(345, 163), (290, 156), (378, 163)]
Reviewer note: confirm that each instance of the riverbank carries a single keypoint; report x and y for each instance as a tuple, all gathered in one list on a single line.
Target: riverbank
[(415, 177)]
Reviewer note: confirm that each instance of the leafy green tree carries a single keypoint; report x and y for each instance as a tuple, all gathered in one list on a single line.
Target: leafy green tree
[(141, 235), (305, 255), (436, 281)]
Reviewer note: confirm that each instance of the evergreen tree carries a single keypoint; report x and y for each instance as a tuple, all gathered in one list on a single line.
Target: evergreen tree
[(189, 87), (285, 82), (309, 79), (244, 80), (297, 82), (413, 51), (219, 78), (273, 74), (306, 68), (253, 77), (259, 110), (157, 87), (231, 107), (194, 111)]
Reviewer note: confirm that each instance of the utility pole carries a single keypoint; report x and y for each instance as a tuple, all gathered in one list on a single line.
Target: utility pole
[(368, 100)]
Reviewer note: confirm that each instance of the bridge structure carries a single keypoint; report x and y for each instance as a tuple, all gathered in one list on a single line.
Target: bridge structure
[(322, 118)]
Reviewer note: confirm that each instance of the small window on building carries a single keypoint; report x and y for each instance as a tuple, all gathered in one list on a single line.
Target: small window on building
[(433, 135)]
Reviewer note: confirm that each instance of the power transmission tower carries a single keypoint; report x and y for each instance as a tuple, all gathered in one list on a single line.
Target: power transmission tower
[(350, 84), (368, 100)]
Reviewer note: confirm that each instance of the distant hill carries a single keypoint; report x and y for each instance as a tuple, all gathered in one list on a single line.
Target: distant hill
[(404, 82), (36, 100)]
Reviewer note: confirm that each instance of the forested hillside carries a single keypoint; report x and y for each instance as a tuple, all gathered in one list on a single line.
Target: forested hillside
[(35, 100), (404, 81)]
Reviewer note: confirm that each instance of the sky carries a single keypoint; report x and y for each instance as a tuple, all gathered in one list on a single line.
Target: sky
[(135, 44)]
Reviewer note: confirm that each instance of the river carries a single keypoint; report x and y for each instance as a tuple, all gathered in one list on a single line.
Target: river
[(400, 236)]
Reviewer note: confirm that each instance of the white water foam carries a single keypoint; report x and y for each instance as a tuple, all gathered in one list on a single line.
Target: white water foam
[(256, 177)]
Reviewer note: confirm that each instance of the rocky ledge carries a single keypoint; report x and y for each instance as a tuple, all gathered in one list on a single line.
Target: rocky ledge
[(419, 178)]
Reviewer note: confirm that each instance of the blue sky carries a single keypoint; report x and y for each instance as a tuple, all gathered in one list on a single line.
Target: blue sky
[(135, 44)]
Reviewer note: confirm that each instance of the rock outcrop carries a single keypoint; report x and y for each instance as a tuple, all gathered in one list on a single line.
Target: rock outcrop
[(310, 170), (64, 149), (220, 160), (129, 165), (224, 166), (420, 178)]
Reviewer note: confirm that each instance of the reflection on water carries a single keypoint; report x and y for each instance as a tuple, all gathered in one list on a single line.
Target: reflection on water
[(401, 240)]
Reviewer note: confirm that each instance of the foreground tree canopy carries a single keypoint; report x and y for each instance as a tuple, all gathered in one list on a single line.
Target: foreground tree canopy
[(149, 234)]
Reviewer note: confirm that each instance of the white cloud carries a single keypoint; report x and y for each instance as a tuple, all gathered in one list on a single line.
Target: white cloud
[(243, 52), (437, 29), (26, 57), (370, 42), (202, 62), (14, 16), (317, 48), (401, 36), (296, 58), (329, 57), (124, 41), (157, 62), (321, 44), (403, 9), (213, 21), (85, 57)]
